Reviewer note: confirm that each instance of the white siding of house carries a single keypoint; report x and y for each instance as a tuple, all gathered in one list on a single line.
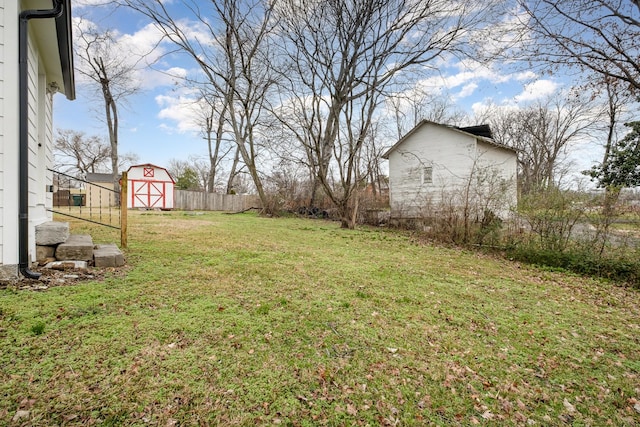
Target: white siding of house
[(8, 132), (464, 170), (2, 123), (40, 137), (503, 163), (450, 154), (40, 142)]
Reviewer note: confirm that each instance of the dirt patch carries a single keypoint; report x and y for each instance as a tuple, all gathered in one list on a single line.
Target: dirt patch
[(61, 277)]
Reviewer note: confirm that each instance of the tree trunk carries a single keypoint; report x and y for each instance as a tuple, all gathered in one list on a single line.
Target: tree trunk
[(233, 172), (348, 210), (111, 115)]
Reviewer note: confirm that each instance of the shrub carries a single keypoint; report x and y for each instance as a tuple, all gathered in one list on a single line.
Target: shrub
[(616, 265), (551, 215), (38, 328)]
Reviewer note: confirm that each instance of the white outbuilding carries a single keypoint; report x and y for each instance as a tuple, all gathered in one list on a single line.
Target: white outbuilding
[(435, 166), (149, 187)]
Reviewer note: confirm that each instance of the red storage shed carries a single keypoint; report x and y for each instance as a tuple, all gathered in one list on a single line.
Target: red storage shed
[(150, 187)]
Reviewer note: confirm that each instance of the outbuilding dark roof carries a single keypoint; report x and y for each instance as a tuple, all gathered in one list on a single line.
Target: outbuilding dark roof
[(99, 177), (479, 130)]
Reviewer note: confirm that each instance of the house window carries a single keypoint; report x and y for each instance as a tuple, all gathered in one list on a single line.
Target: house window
[(427, 175)]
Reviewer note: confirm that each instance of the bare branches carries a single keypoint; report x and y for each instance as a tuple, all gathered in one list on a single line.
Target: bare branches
[(227, 39), (542, 133), (340, 57), (602, 36), (113, 73), (78, 154)]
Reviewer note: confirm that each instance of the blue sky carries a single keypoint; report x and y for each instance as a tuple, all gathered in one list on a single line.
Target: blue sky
[(155, 124)]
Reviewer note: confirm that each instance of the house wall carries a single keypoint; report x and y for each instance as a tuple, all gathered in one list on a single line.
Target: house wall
[(499, 167), (450, 156), (8, 133), (40, 144), (437, 168), (40, 130)]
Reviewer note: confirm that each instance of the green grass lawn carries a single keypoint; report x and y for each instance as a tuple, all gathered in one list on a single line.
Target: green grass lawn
[(240, 320)]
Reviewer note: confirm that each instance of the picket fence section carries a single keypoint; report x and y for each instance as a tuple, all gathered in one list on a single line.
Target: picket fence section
[(201, 201)]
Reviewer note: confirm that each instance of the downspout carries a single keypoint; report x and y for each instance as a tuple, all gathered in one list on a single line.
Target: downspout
[(23, 160)]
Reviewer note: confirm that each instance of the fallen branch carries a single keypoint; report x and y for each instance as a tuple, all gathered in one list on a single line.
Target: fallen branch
[(243, 211)]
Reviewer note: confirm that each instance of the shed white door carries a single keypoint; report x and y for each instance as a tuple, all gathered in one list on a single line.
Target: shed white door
[(148, 194)]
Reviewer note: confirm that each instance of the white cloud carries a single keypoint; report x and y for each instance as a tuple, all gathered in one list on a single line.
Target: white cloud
[(154, 78), (504, 37), (525, 75), (469, 77), (179, 107), (536, 90), (467, 90), (196, 31), (80, 4), (144, 42), (142, 51)]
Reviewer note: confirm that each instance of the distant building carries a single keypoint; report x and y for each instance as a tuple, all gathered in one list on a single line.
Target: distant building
[(436, 165), (99, 192), (149, 187)]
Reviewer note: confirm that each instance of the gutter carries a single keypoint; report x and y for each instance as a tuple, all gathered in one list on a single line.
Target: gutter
[(23, 161)]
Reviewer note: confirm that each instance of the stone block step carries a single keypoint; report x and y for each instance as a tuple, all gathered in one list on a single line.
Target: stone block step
[(77, 247), (52, 233), (107, 256)]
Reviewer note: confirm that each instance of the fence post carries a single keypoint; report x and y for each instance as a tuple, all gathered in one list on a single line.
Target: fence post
[(123, 210)]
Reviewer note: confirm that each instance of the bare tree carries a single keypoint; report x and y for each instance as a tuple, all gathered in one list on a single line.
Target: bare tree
[(542, 133), (127, 160), (618, 100), (596, 35), (212, 116), (78, 154), (227, 39), (372, 156), (342, 56), (236, 169), (411, 107), (111, 70)]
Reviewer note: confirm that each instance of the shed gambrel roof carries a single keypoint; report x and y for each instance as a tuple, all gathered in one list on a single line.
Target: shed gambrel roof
[(150, 165), (477, 132)]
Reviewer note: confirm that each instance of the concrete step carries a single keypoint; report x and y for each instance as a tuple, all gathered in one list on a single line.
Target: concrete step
[(52, 233), (107, 256), (78, 247)]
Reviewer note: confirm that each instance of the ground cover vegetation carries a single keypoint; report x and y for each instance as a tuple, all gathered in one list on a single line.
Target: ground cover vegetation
[(245, 320), (588, 233)]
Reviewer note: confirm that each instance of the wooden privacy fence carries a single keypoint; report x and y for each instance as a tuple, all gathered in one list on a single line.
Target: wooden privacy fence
[(201, 201)]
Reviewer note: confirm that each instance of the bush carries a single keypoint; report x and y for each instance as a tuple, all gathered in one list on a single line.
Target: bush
[(551, 215), (619, 266)]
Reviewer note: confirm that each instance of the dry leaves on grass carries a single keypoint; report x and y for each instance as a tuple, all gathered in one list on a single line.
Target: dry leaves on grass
[(51, 278)]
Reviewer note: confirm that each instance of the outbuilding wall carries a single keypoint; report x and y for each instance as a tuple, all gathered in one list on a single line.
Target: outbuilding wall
[(149, 187), (436, 168), (450, 156)]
